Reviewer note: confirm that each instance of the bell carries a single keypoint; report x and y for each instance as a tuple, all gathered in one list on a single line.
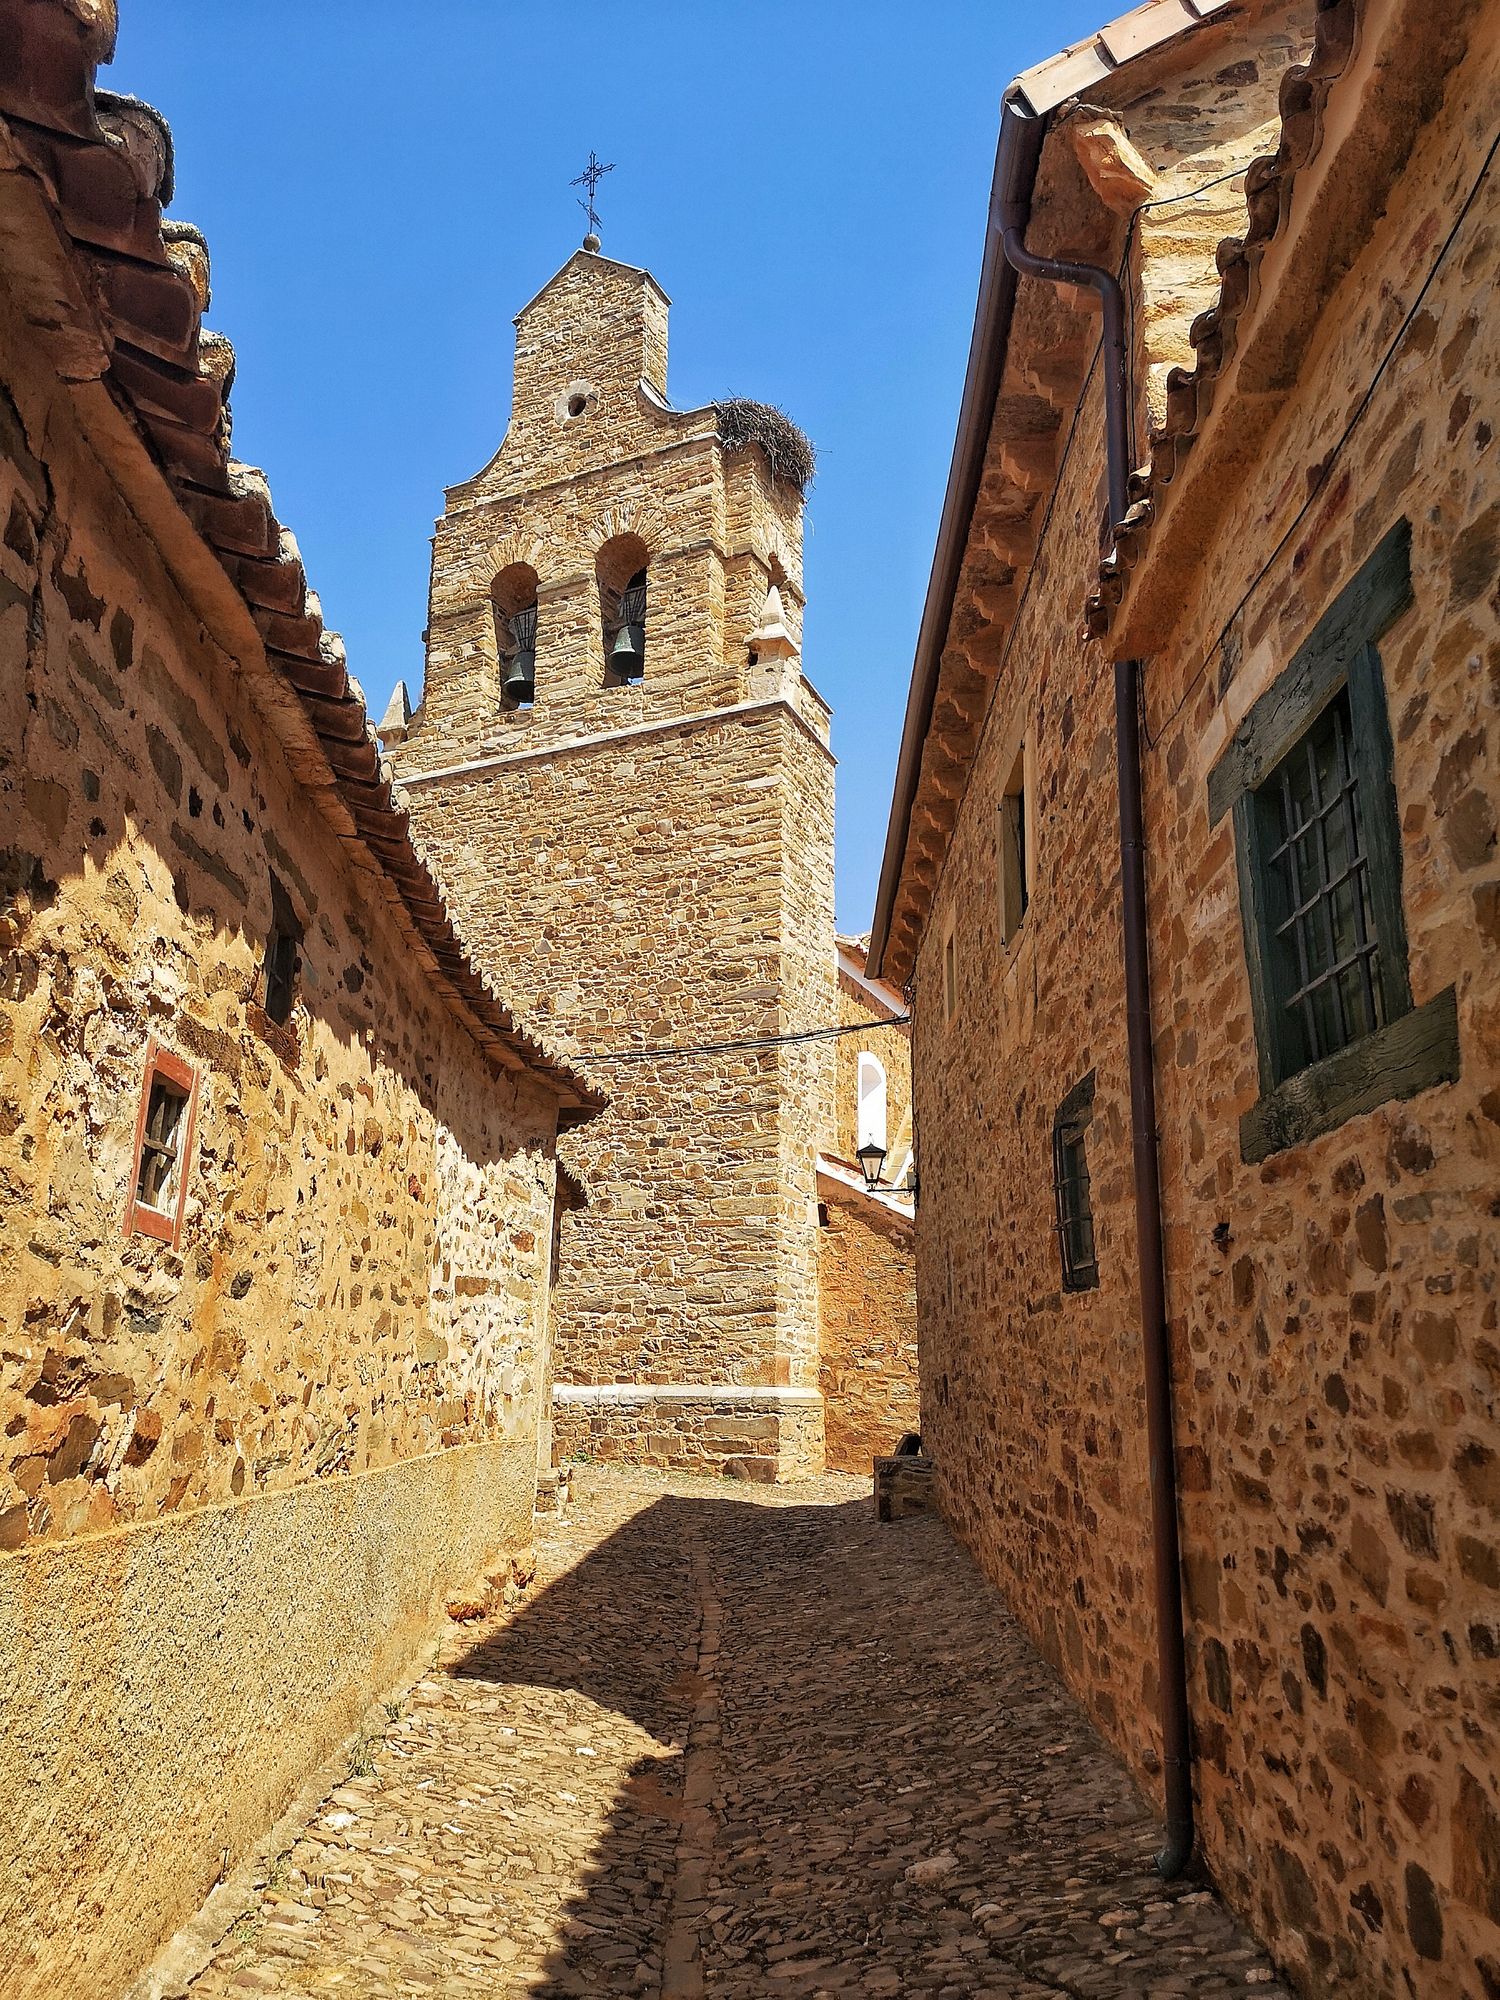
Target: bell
[(519, 684), (627, 656)]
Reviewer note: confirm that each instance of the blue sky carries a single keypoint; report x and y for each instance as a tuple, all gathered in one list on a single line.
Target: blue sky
[(382, 185)]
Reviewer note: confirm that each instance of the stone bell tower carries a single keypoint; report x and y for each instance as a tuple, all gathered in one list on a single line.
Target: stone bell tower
[(624, 782)]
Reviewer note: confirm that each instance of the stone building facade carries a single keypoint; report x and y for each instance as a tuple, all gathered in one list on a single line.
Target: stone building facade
[(1308, 567), (277, 1166), (867, 1304), (623, 778)]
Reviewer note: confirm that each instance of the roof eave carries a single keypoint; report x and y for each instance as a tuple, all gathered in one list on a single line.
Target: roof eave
[(1026, 109), (1017, 153)]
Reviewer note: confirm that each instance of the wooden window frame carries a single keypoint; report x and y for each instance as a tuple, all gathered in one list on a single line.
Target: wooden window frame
[(1414, 1047), (164, 1225)]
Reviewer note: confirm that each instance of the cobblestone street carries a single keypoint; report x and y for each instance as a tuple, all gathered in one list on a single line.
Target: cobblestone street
[(735, 1742)]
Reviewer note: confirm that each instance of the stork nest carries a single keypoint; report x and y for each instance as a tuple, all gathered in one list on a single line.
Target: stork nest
[(788, 450)]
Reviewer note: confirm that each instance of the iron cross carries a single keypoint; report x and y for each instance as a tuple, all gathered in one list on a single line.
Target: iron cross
[(590, 178)]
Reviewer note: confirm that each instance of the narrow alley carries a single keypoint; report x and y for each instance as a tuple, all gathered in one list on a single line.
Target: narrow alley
[(737, 1742)]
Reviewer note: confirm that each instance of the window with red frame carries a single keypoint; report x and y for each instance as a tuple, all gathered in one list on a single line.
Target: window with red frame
[(163, 1147)]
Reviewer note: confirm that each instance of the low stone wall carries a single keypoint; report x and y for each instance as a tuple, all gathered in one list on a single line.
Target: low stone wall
[(751, 1433), (168, 1685)]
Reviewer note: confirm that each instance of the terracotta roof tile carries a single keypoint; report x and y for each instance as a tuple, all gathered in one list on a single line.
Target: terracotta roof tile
[(104, 163), (1081, 65), (1190, 392)]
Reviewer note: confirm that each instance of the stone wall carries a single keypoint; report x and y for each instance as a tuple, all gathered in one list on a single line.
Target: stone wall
[(649, 867), (1031, 1399), (1331, 1306), (867, 1309), (171, 1684), (689, 1261), (741, 1433), (867, 1328), (360, 1280)]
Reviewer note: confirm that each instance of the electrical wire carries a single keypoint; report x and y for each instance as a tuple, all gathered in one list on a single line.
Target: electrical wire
[(756, 1042), (1332, 456), (1187, 194)]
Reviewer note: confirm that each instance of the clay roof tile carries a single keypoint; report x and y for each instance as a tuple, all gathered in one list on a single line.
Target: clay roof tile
[(1190, 392)]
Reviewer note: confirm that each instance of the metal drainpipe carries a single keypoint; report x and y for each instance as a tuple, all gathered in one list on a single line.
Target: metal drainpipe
[(1167, 1574)]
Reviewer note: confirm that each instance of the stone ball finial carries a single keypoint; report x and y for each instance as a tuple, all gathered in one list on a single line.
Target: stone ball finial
[(591, 241)]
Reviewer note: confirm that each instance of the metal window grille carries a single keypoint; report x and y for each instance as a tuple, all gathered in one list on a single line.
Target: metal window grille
[(1325, 951), (523, 629), (1075, 1215), (160, 1141), (633, 601)]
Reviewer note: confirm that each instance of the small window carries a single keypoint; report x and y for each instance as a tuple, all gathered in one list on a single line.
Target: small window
[(950, 976), (1070, 1184), (1309, 776), (283, 957), (1014, 846), (163, 1142), (281, 975), (871, 1110)]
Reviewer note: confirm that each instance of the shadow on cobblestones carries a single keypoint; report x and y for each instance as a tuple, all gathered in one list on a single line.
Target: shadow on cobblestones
[(903, 1799), (735, 1746)]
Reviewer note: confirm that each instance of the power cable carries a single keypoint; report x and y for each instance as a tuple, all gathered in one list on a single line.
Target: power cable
[(756, 1042)]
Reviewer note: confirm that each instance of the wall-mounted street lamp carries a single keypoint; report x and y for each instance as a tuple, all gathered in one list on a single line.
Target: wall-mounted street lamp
[(872, 1158)]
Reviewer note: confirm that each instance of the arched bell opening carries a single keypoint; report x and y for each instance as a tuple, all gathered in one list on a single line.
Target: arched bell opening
[(513, 598), (621, 570)]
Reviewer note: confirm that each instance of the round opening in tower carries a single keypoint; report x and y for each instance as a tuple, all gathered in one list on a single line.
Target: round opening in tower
[(577, 405)]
